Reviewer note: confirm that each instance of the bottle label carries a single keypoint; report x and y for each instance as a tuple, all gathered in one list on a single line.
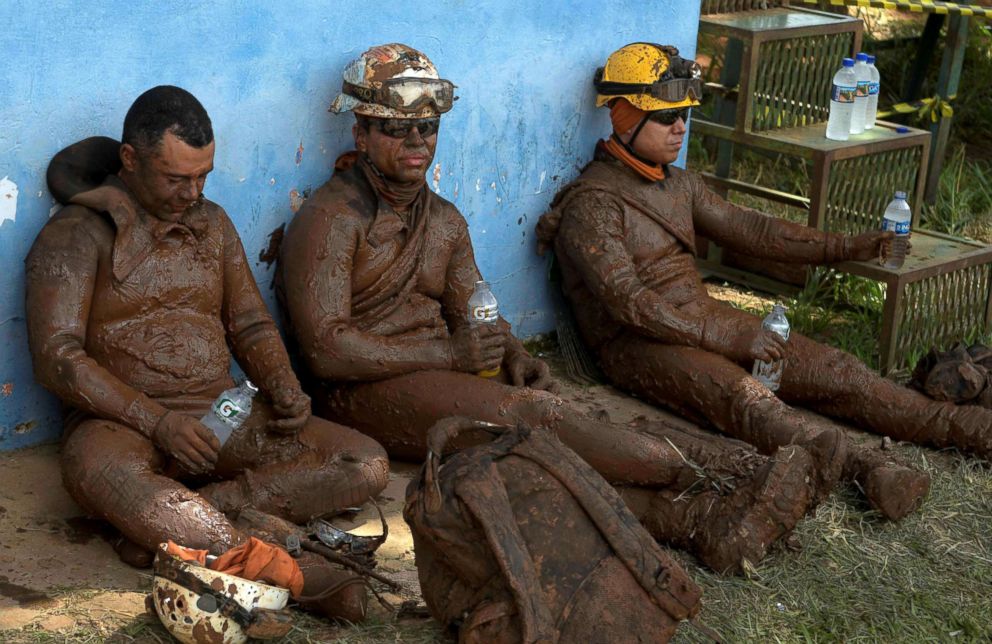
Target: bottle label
[(863, 89), (898, 227), (226, 409), (843, 93), (873, 88), (485, 313)]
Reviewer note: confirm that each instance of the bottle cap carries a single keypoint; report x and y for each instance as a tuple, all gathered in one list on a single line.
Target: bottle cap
[(848, 62), (900, 195), (862, 56), (250, 386), (902, 129), (871, 59)]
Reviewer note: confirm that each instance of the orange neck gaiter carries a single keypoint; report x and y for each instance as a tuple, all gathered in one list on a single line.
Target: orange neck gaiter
[(624, 117)]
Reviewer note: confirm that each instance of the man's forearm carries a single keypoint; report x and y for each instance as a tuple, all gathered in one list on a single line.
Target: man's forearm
[(67, 371), (347, 354)]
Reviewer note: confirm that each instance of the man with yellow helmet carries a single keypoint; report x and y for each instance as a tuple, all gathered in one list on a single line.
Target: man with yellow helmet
[(624, 235)]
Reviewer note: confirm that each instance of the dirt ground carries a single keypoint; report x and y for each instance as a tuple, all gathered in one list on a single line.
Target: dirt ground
[(60, 580)]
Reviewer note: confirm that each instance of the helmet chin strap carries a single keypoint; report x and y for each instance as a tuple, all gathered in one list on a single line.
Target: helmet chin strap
[(629, 146)]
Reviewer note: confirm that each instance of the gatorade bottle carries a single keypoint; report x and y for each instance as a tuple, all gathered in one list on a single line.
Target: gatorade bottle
[(842, 102), (873, 88), (483, 309), (863, 75), (770, 373), (897, 218), (231, 409)]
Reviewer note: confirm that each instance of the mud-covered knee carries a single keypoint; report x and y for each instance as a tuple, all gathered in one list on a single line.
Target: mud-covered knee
[(747, 393), (531, 407)]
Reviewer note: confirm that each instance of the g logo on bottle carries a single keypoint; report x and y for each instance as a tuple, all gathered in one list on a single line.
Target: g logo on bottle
[(227, 408)]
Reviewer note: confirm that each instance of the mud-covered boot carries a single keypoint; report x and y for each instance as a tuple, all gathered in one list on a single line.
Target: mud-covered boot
[(725, 530), (331, 591), (968, 427), (769, 424), (892, 488), (328, 589), (132, 554)]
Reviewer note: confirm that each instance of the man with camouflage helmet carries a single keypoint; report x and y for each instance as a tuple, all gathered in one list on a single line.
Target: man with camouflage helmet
[(624, 235), (375, 274)]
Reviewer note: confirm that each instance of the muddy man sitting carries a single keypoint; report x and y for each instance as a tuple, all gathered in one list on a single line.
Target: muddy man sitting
[(135, 290), (624, 235)]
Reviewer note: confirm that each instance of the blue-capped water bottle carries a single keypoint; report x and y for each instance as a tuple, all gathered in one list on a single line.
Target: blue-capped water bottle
[(897, 218), (230, 411), (845, 85), (770, 373)]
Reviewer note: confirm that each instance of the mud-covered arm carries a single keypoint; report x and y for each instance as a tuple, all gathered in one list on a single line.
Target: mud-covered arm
[(459, 282), (61, 272), (749, 231), (317, 263), (592, 235), (251, 332)]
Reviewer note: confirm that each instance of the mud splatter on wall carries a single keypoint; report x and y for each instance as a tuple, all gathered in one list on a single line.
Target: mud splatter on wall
[(524, 123)]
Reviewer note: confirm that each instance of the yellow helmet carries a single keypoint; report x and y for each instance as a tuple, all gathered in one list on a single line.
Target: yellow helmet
[(652, 77)]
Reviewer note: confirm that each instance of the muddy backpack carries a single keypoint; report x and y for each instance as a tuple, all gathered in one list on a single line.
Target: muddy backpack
[(517, 539)]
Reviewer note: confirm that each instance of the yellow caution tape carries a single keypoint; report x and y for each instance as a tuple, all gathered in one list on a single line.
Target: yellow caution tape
[(935, 106), (915, 6)]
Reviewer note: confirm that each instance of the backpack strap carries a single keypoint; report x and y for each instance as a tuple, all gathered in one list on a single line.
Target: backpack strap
[(660, 576), (482, 490)]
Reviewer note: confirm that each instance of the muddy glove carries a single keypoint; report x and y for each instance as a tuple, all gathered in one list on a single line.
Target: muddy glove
[(291, 405), (528, 371), (865, 246), (477, 348), (188, 441), (746, 345)]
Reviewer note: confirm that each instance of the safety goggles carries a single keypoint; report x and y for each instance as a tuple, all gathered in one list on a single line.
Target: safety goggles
[(407, 95), (338, 539), (400, 128), (668, 117), (670, 91)]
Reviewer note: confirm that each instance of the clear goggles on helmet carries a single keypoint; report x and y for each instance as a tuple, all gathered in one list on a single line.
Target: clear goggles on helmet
[(670, 91), (407, 95)]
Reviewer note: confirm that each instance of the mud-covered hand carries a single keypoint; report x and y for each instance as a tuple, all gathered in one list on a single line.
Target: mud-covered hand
[(750, 344), (867, 245), (292, 408), (476, 348), (188, 441), (527, 371)]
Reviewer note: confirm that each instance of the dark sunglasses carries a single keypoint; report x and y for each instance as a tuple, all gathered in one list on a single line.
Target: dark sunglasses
[(400, 128), (668, 117)]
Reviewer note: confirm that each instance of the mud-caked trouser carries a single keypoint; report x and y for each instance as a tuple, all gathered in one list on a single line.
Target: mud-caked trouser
[(702, 384), (116, 473), (770, 497)]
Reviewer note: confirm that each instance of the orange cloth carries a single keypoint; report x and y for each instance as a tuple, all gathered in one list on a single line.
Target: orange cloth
[(255, 561), (646, 170), (624, 115)]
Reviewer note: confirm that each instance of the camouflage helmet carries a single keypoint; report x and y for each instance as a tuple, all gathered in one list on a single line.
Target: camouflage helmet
[(394, 81)]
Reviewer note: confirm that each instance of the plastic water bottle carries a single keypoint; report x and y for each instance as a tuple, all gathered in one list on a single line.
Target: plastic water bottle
[(770, 373), (897, 218), (863, 75), (842, 102), (873, 88), (231, 409), (483, 309)]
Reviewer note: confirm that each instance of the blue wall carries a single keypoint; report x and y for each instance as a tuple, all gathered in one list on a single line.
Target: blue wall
[(266, 72)]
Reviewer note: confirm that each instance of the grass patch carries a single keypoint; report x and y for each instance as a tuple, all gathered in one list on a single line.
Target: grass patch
[(861, 579)]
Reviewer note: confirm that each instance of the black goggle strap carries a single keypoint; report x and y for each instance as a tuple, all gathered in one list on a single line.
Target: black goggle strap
[(660, 90)]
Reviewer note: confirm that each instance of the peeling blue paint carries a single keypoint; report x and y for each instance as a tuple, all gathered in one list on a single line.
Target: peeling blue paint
[(524, 123)]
